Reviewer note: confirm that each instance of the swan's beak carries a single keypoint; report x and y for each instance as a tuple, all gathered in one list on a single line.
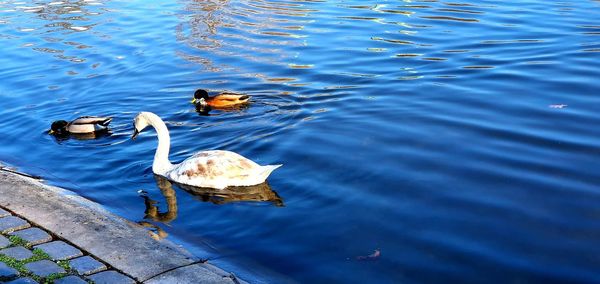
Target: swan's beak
[(194, 100), (135, 134)]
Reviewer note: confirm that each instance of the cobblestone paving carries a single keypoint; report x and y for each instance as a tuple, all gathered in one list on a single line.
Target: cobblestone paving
[(29, 254)]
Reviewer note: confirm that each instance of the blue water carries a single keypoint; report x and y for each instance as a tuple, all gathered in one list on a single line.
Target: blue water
[(459, 139)]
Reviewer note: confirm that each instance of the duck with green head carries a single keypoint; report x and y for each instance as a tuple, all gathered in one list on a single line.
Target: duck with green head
[(81, 125), (221, 100)]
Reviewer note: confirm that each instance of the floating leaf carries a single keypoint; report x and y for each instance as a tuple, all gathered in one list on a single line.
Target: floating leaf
[(372, 256)]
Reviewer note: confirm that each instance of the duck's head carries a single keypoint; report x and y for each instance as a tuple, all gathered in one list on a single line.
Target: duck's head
[(200, 96), (139, 123), (59, 127)]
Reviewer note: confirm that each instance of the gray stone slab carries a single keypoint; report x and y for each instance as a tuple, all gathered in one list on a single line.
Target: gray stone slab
[(25, 280), (44, 268), (122, 244), (59, 250), (4, 242), (4, 213), (197, 273), (11, 223), (70, 280), (18, 253), (33, 236), (110, 277), (86, 265), (7, 272)]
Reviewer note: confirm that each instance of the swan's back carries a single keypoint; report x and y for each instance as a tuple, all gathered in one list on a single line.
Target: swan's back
[(219, 169)]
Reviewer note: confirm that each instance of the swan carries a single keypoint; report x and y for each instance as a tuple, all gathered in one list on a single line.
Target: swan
[(209, 169), (221, 100), (81, 125)]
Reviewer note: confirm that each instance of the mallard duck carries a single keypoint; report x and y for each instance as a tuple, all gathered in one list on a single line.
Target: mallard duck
[(209, 169), (221, 100), (81, 125)]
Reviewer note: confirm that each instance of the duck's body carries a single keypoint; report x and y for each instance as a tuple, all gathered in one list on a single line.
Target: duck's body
[(81, 125), (212, 169), (221, 100)]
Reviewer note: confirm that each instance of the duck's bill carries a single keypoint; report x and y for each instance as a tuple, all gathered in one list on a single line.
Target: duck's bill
[(135, 134), (51, 131), (194, 100)]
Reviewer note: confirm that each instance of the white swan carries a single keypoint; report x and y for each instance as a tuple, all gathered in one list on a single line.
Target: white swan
[(213, 169)]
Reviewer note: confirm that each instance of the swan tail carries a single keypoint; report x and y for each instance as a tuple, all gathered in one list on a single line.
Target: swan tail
[(268, 169)]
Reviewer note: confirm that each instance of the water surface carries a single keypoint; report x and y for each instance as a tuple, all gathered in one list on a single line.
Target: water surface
[(457, 138)]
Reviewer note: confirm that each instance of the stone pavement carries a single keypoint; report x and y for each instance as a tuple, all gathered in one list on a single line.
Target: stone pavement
[(29, 254), (50, 235)]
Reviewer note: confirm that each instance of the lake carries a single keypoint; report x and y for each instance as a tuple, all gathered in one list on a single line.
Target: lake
[(422, 141)]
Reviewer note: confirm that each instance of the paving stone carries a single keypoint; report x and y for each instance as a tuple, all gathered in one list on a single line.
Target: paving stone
[(109, 277), (11, 223), (195, 273), (33, 236), (25, 280), (4, 213), (70, 280), (59, 250), (44, 268), (86, 265), (107, 236), (18, 253), (4, 242), (7, 272)]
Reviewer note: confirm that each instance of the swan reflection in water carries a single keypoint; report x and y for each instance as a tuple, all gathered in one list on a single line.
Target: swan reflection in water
[(256, 193)]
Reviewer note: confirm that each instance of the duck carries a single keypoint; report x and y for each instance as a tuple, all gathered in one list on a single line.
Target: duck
[(216, 169), (221, 100), (81, 125)]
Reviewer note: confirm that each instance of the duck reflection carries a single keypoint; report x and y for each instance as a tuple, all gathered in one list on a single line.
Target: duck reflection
[(257, 193), (205, 110)]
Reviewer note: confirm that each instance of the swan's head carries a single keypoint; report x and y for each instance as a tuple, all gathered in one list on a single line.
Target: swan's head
[(200, 96), (59, 127), (139, 123)]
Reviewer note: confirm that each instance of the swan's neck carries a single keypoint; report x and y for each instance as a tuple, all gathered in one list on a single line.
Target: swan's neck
[(161, 162)]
